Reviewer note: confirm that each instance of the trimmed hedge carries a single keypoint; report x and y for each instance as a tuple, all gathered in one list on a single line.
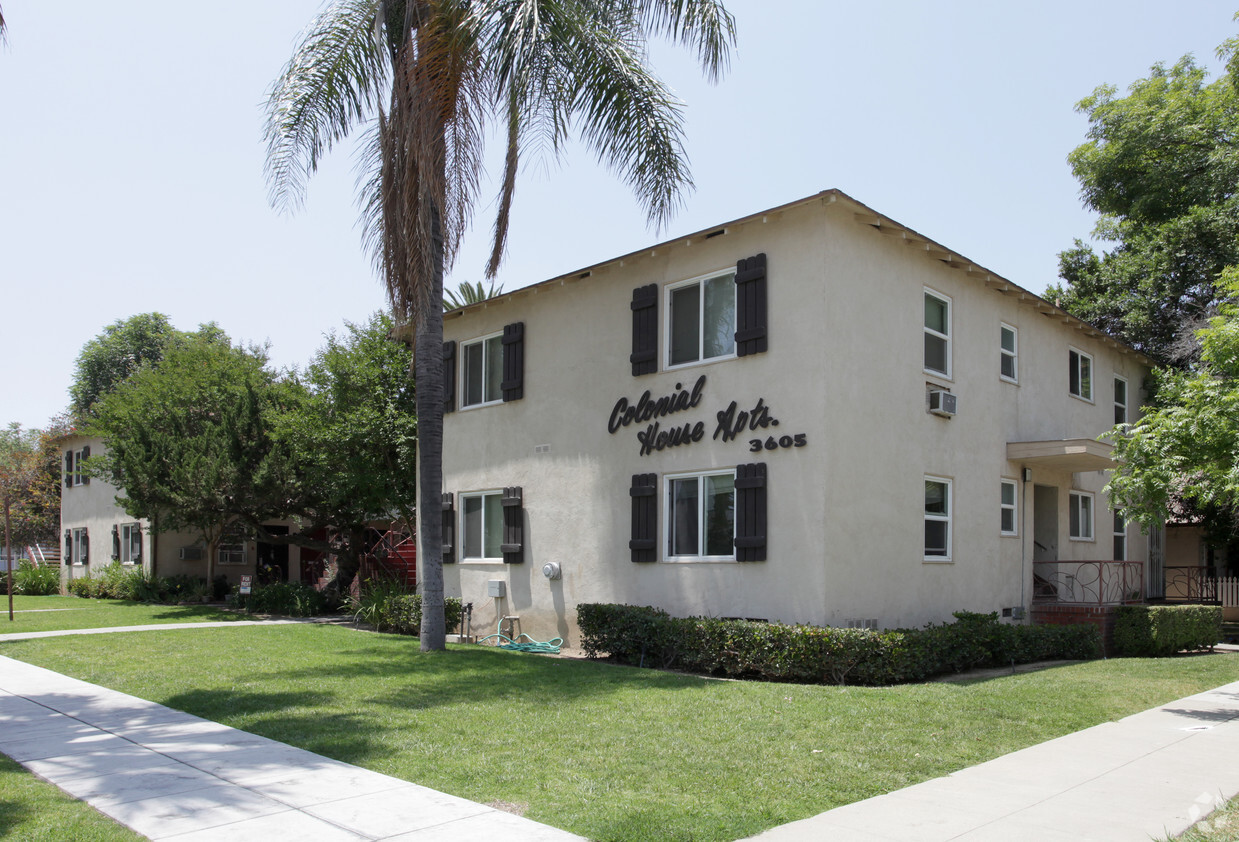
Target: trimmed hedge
[(1157, 631), (646, 636)]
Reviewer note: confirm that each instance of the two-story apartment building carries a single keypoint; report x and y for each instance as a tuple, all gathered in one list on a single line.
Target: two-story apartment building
[(811, 414), (97, 532)]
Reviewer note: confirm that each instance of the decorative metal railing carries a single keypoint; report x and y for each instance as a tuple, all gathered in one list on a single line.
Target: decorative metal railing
[(1192, 584), (1088, 582)]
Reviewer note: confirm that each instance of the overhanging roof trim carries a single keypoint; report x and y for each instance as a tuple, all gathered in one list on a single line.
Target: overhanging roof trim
[(1063, 454)]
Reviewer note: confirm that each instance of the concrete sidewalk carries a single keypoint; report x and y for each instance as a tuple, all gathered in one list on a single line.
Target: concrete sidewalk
[(1148, 776), (170, 775)]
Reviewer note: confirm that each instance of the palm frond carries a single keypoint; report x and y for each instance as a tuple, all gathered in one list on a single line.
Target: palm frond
[(335, 81), (469, 293)]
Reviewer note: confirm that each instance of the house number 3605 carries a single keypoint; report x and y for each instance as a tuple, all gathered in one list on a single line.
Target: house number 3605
[(771, 443)]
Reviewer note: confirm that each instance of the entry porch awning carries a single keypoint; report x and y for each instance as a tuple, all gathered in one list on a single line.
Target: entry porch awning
[(1063, 454)]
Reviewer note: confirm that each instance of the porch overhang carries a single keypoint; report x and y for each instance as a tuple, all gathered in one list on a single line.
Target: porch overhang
[(1063, 454)]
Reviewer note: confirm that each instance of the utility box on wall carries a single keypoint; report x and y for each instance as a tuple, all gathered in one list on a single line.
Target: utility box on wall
[(495, 588)]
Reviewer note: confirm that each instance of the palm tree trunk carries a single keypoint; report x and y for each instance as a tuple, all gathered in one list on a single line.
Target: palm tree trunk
[(428, 379)]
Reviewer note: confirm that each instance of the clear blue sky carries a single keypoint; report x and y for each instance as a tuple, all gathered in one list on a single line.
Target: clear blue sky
[(130, 142)]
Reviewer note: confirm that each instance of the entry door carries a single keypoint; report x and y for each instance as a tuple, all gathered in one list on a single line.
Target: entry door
[(1045, 540), (1155, 585), (275, 555)]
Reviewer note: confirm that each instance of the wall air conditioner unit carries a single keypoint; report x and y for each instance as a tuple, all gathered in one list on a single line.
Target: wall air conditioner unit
[(191, 553), (942, 403)]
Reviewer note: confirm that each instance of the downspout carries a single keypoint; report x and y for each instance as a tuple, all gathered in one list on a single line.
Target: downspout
[(1026, 475)]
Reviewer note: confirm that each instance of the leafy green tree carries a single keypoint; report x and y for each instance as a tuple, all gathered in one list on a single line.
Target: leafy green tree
[(1187, 449), (189, 441), (423, 75), (350, 434), (469, 293), (1161, 167), (121, 349), (29, 489)]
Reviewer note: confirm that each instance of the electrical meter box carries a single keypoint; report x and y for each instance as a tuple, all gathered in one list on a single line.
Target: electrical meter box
[(495, 587)]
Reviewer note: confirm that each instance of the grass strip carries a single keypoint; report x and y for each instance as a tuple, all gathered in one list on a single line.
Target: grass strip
[(31, 613), (611, 753), (32, 809)]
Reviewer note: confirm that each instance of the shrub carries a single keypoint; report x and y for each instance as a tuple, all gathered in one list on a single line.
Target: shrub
[(291, 599), (811, 654), (32, 580), (388, 606), (83, 586), (1153, 631)]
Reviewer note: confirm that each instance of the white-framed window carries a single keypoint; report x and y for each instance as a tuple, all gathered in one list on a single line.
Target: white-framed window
[(1120, 537), (937, 333), (1081, 515), (77, 545), (1007, 504), (701, 516), (937, 519), (1080, 374), (231, 551), (1120, 400), (75, 467), (701, 319), (1008, 353), (481, 515), (130, 543), (481, 375)]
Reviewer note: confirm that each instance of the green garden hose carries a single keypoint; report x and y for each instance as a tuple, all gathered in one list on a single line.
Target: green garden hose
[(550, 647)]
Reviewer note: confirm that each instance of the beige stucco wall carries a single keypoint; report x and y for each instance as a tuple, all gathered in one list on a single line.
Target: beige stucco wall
[(844, 367)]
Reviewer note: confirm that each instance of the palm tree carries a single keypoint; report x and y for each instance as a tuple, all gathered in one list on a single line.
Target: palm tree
[(423, 76), (469, 293)]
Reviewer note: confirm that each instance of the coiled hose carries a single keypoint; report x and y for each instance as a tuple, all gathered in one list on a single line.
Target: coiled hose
[(550, 647)]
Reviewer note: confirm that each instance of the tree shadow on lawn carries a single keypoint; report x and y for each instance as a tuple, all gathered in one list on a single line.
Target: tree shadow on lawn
[(295, 718)]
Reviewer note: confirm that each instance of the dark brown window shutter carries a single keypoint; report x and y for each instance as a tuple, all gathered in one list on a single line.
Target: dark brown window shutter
[(513, 385), (751, 512), (644, 494), (449, 528), (449, 376), (68, 469), (644, 356), (68, 556), (85, 545), (138, 557), (115, 543), (513, 526), (751, 306), (85, 455)]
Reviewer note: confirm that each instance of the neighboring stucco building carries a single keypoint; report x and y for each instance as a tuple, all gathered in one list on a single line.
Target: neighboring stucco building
[(97, 532), (811, 414)]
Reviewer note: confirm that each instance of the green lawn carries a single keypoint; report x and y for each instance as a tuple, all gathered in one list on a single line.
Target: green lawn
[(31, 809), (612, 753), (46, 613)]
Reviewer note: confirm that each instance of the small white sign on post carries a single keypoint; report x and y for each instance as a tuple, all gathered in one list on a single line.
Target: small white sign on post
[(245, 583)]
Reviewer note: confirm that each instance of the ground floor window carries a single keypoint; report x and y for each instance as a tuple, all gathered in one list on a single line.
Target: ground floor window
[(701, 516), (1081, 516), (131, 543), (77, 546), (937, 519), (482, 525), (1008, 496)]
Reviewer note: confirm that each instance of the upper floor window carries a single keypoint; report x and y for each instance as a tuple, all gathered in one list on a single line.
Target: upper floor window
[(701, 515), (1006, 504), (1080, 376), (702, 319), (937, 334), (483, 371), (75, 467), (482, 522), (1120, 400), (937, 519), (1080, 504), (1008, 349)]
